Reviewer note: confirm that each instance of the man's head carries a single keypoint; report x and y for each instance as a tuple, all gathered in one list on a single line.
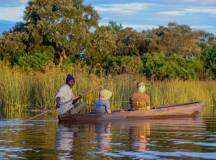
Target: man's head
[(70, 80)]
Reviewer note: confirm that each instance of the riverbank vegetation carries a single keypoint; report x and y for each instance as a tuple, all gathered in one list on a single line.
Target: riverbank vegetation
[(67, 32), (21, 91), (60, 37)]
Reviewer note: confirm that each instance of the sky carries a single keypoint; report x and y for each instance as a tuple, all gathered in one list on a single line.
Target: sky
[(138, 14)]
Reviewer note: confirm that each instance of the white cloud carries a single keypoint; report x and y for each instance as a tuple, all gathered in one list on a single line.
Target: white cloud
[(23, 1), (12, 13), (198, 1), (208, 10), (106, 18), (171, 13), (204, 27), (197, 10), (138, 27), (124, 9), (208, 28)]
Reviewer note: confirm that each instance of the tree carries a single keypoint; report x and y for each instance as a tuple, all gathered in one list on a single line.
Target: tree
[(127, 42), (54, 27), (175, 39), (64, 24), (206, 39), (160, 67), (12, 46), (114, 27), (209, 59), (130, 42), (123, 64), (102, 45)]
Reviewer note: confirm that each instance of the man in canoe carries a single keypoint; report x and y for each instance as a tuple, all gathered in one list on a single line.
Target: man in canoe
[(139, 100), (102, 105), (66, 102)]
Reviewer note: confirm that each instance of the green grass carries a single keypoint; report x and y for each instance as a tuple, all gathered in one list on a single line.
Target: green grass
[(21, 90), (185, 91)]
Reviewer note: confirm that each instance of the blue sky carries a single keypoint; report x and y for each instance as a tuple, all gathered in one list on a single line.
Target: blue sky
[(138, 14)]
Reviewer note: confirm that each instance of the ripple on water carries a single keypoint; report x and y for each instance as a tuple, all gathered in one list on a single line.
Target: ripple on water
[(14, 149), (127, 141), (10, 123), (8, 152), (205, 144), (158, 155)]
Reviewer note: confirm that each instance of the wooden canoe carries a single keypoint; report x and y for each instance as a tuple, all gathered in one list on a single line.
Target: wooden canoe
[(191, 109)]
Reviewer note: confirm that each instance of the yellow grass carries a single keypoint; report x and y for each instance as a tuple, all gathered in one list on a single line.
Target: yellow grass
[(21, 90)]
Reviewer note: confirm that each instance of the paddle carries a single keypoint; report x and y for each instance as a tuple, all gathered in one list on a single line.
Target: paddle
[(36, 116), (73, 101)]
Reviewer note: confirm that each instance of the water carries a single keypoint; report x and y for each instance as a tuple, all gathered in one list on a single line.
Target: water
[(158, 139)]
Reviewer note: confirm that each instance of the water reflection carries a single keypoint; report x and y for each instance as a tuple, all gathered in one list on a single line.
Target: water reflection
[(155, 139), (140, 134), (64, 140), (103, 136)]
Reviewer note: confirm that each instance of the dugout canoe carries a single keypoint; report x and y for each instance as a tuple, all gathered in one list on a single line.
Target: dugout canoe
[(183, 110)]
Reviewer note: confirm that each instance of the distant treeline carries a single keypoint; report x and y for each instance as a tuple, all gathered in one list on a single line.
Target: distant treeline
[(67, 31)]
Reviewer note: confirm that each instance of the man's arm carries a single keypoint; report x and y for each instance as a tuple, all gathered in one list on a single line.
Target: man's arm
[(130, 106), (58, 100), (59, 95), (76, 99)]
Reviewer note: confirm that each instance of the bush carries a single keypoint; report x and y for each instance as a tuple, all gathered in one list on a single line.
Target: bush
[(123, 64), (36, 61), (158, 66), (209, 59)]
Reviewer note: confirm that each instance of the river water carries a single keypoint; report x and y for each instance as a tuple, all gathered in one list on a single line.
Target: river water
[(155, 139)]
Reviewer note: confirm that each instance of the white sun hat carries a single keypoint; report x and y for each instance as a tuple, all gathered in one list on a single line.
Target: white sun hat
[(105, 94), (141, 87)]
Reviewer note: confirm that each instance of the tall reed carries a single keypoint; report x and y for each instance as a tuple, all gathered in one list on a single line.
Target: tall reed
[(21, 90), (185, 91)]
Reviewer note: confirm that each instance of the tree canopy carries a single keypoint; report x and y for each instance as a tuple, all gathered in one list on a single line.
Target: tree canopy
[(67, 31), (62, 25)]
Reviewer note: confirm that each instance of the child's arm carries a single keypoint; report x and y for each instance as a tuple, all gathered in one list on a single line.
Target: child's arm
[(108, 110)]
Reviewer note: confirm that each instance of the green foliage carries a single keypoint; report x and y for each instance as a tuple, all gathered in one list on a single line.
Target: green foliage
[(67, 31), (103, 45), (158, 66), (12, 46), (114, 27), (62, 25), (206, 39), (175, 39), (171, 39), (127, 42), (37, 61), (124, 64), (209, 58), (20, 90), (152, 64)]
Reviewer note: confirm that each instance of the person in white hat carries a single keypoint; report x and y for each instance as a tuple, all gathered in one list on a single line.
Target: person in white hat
[(102, 105), (140, 100)]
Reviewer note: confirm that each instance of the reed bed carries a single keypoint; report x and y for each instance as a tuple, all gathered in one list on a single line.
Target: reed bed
[(184, 91), (20, 91)]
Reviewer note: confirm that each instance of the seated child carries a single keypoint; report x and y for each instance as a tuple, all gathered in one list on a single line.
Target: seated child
[(102, 105)]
